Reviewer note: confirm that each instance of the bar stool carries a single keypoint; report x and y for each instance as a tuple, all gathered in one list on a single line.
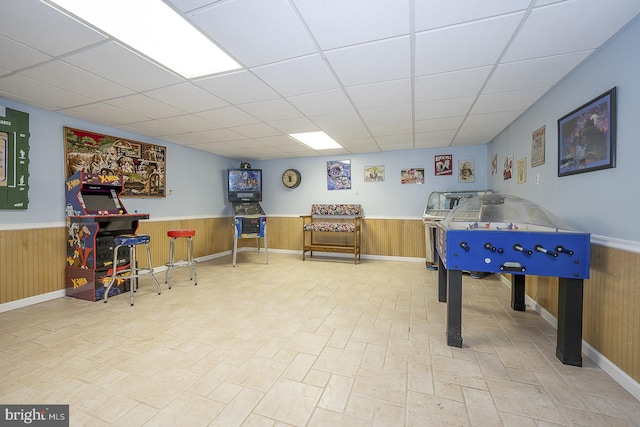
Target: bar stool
[(173, 264), (132, 273)]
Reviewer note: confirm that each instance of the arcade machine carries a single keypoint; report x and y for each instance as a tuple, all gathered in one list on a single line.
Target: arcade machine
[(245, 195), (95, 215), (499, 233), (438, 205)]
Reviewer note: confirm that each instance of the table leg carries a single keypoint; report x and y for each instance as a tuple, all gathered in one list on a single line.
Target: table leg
[(569, 343), (442, 281), (454, 308), (517, 292)]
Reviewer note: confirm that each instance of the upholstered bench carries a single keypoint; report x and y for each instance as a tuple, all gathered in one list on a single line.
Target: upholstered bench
[(332, 228)]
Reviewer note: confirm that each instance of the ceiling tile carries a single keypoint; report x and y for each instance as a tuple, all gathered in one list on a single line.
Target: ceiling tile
[(17, 55), (190, 122), (298, 76), (139, 74), (338, 23), (153, 128), (256, 130), (534, 73), (295, 125), (72, 79), (464, 11), (104, 113), (344, 119), (384, 115), (569, 17), (469, 45), (235, 24), (228, 116), (320, 103), (187, 97), (27, 89), (443, 123), (274, 109), (383, 94), (506, 101), (391, 128), (372, 62), (454, 84), (44, 28), (144, 105), (237, 88), (443, 108)]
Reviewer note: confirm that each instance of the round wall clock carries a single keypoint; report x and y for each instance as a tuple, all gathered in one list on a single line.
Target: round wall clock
[(291, 178)]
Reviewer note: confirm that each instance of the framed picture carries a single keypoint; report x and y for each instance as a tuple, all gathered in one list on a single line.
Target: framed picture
[(537, 146), (466, 171), (494, 164), (143, 165), (522, 170), (374, 173), (412, 176), (587, 136), (508, 167), (443, 164), (338, 174)]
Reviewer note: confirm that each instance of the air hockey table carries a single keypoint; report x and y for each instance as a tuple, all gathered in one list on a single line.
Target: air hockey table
[(499, 233)]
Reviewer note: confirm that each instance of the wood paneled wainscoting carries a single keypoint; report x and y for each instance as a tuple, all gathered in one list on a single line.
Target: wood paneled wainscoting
[(33, 260), (402, 238), (611, 317)]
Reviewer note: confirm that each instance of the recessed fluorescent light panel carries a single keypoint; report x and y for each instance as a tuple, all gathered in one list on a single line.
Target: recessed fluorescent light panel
[(154, 29), (316, 140)]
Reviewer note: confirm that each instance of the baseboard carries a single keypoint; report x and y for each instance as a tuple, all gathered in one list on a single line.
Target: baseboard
[(25, 302), (618, 375)]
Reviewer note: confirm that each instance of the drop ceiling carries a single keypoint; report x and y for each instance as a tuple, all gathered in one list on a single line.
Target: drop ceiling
[(376, 75)]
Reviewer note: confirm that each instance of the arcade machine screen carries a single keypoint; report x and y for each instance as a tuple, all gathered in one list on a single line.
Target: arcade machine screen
[(245, 185), (101, 203)]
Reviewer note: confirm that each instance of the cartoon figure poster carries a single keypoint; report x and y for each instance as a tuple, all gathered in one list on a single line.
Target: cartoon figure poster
[(339, 174)]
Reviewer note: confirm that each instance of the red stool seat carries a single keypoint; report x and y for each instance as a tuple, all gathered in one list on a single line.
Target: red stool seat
[(189, 262), (181, 233)]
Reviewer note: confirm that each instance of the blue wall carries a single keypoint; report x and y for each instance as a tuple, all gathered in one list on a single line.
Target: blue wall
[(196, 178), (388, 199), (606, 202)]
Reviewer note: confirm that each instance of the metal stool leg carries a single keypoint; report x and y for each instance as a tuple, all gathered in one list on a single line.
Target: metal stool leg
[(171, 264), (193, 274), (114, 274), (151, 268)]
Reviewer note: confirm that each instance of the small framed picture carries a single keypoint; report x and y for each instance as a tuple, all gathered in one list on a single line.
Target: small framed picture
[(466, 171)]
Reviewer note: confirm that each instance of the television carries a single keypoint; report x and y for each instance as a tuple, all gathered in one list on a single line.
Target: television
[(245, 185)]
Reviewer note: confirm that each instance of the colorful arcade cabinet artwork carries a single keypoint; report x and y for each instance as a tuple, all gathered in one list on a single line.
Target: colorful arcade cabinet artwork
[(95, 215), (498, 233)]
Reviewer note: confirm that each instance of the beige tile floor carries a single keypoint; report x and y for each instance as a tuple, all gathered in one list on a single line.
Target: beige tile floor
[(292, 343)]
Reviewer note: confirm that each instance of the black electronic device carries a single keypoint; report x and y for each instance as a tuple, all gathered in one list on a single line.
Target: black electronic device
[(244, 185)]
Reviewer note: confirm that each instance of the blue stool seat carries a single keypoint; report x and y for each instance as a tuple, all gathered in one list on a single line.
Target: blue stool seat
[(132, 272)]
